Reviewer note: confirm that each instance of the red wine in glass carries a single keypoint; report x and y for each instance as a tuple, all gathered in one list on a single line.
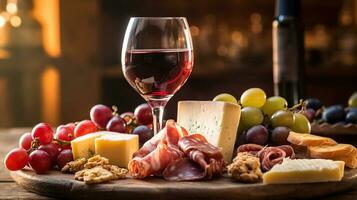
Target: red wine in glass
[(158, 73), (157, 59)]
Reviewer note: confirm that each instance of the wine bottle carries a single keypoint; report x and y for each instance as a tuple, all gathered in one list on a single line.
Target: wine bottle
[(288, 51)]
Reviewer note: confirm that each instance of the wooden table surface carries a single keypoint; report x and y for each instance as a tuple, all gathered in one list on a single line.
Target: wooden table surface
[(10, 190)]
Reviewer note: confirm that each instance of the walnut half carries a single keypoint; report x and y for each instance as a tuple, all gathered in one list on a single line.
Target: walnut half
[(245, 168), (74, 166)]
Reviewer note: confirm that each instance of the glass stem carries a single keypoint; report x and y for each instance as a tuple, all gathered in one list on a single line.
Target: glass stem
[(157, 113)]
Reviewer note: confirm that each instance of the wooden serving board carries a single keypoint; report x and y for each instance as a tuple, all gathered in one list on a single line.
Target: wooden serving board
[(58, 185)]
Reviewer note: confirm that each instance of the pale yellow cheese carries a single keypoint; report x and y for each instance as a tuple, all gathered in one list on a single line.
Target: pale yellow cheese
[(305, 171), (83, 147), (217, 121), (118, 148)]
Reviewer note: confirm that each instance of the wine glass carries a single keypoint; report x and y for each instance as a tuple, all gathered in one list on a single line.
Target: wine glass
[(157, 59)]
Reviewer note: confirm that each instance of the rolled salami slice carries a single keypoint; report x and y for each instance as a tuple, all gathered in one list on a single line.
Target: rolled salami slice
[(288, 150), (208, 156), (250, 148), (183, 169), (270, 156)]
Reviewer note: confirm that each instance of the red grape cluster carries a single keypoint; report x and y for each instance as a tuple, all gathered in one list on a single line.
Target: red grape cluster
[(138, 122), (40, 150)]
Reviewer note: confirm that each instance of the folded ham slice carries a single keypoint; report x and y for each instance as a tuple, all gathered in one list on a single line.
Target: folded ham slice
[(206, 155), (157, 153)]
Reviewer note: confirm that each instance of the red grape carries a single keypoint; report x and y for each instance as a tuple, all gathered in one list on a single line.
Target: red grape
[(279, 135), (64, 134), (116, 124), (84, 127), (52, 151), (25, 141), (257, 135), (64, 157), (40, 161), (144, 133), (143, 114), (100, 115), (71, 126), (43, 132), (16, 159)]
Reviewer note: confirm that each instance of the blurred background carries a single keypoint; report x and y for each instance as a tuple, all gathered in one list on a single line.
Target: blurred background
[(60, 57)]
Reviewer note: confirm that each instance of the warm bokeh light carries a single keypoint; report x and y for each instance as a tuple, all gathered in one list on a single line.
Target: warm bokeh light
[(47, 12), (51, 95), (15, 21), (11, 8), (2, 21)]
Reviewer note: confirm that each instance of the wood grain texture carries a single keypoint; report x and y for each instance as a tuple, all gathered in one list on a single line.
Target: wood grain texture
[(11, 191), (55, 184)]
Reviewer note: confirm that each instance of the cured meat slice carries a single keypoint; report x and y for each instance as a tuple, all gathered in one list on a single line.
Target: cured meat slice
[(250, 148), (150, 145), (209, 157), (183, 169), (288, 150), (269, 156), (165, 152), (154, 162)]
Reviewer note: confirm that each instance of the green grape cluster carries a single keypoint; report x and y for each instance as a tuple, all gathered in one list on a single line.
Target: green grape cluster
[(266, 120)]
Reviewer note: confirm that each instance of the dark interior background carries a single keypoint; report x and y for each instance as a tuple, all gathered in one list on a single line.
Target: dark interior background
[(232, 44)]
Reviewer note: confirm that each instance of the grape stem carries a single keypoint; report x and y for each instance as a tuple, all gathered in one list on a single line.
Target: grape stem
[(301, 105), (115, 110), (61, 142), (34, 145)]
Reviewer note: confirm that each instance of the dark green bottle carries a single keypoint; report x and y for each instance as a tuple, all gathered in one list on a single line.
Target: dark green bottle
[(288, 51)]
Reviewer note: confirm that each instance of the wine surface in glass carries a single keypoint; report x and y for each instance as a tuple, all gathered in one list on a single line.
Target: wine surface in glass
[(158, 73)]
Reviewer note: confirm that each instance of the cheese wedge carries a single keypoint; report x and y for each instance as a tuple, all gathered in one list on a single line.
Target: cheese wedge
[(305, 171), (338, 150), (303, 139), (83, 147), (217, 121), (118, 147), (343, 152)]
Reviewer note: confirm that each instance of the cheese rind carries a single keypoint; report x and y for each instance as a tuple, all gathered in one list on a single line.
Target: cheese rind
[(83, 147), (217, 121), (305, 171), (118, 147)]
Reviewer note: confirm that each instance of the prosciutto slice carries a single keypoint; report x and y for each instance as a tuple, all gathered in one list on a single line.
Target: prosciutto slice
[(155, 156), (206, 155), (269, 156)]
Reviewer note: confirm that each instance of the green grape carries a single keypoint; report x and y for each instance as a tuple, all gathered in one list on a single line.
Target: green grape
[(254, 97), (282, 118), (226, 98), (301, 124), (274, 104), (352, 101), (251, 116)]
